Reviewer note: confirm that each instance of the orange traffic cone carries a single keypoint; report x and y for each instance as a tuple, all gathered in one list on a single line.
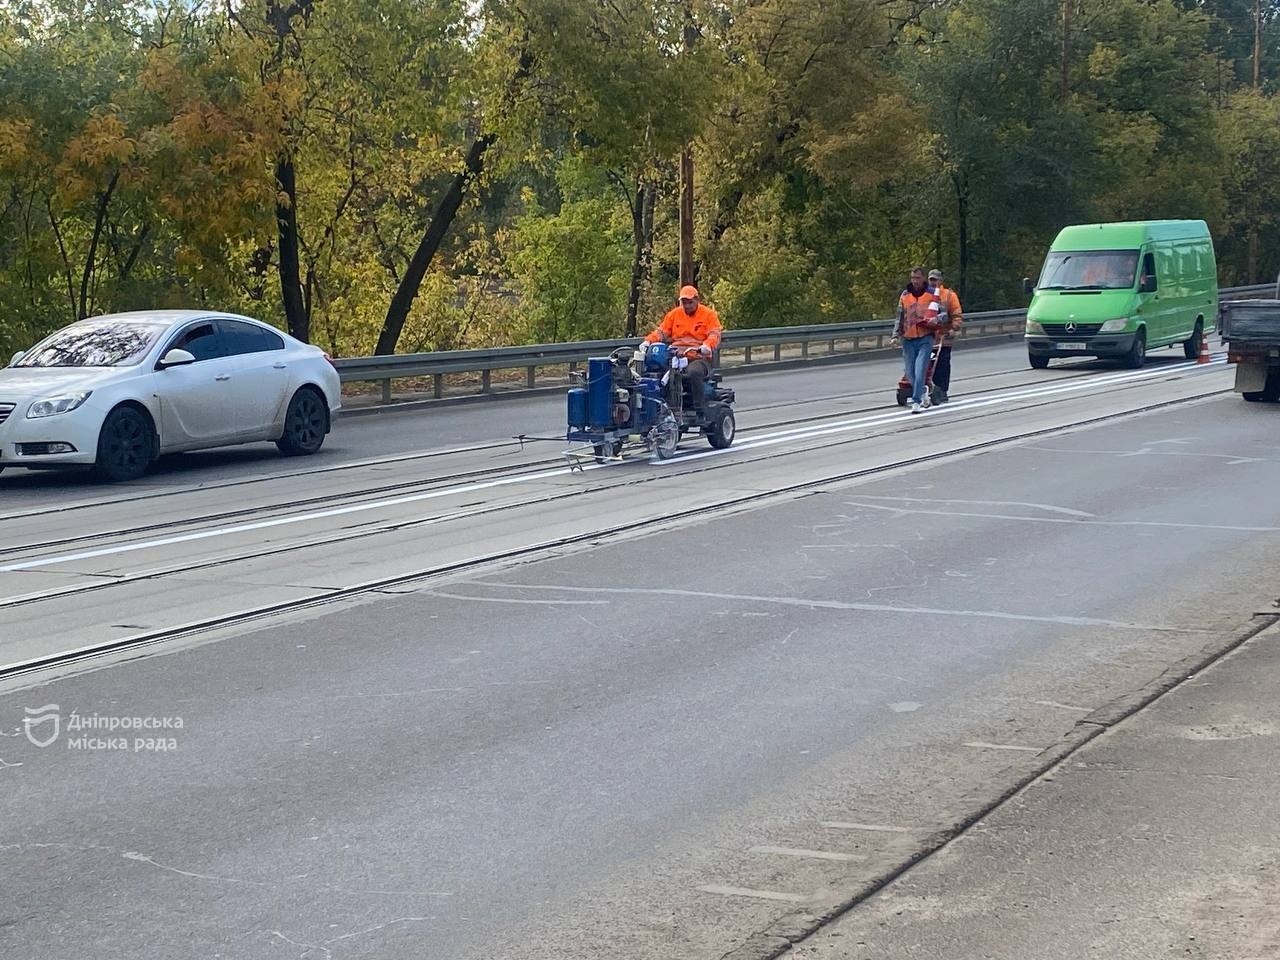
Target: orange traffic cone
[(1204, 350)]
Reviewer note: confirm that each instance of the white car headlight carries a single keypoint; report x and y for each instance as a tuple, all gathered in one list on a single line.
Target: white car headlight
[(1114, 326), (56, 405), (1034, 329)]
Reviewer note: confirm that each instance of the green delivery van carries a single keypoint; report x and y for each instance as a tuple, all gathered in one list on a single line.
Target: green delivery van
[(1116, 290)]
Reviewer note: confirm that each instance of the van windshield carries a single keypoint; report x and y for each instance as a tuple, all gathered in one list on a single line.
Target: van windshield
[(1090, 270)]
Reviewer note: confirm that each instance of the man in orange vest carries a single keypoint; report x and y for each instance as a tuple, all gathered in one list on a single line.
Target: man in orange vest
[(951, 307), (919, 319), (692, 329)]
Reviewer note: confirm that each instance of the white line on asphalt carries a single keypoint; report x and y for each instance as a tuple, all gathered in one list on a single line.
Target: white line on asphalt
[(550, 603), (1047, 507), (983, 745), (801, 433), (872, 827), (754, 894), (806, 854), (815, 604), (1062, 706), (1232, 528)]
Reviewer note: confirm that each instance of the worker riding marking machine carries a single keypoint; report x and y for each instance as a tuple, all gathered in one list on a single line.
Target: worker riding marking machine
[(620, 408)]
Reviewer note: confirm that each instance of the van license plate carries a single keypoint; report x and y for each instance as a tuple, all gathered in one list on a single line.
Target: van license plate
[(1070, 346)]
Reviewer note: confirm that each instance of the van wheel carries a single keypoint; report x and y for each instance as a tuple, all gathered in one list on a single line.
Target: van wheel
[(1037, 362), (1138, 354), (1191, 348)]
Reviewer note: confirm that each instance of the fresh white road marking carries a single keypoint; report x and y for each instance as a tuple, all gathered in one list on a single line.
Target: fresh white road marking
[(806, 854), (754, 894), (983, 745)]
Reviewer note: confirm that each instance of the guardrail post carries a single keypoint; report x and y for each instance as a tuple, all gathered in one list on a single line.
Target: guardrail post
[(530, 380), (831, 345), (777, 351), (804, 350), (386, 390), (746, 355), (485, 378), (437, 385)]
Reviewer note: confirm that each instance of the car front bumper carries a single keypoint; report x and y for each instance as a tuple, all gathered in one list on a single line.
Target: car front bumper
[(1106, 345), (66, 440)]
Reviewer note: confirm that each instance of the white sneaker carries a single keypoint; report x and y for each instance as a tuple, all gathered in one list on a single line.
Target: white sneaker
[(927, 402), (916, 408)]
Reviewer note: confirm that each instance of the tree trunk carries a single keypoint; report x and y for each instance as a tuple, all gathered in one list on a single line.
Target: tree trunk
[(441, 219), (99, 224), (295, 311), (1251, 256)]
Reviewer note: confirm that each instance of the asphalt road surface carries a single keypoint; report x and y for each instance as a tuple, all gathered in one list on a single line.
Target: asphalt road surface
[(431, 695)]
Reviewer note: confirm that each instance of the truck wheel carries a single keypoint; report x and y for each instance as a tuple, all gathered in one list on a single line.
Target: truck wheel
[(1252, 396), (1037, 362), (1271, 391), (722, 430), (1138, 355), (1191, 348)]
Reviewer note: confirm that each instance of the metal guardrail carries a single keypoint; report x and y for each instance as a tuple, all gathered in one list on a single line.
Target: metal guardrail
[(859, 336)]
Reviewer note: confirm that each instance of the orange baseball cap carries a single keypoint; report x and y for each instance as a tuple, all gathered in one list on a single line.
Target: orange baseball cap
[(688, 292)]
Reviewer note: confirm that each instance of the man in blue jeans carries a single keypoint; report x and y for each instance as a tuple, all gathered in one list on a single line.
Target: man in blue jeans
[(919, 317)]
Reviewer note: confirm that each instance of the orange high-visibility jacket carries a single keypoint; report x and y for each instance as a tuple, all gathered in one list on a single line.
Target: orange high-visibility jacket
[(951, 307), (682, 330), (918, 314)]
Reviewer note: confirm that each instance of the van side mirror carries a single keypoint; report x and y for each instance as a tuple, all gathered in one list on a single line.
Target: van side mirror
[(1027, 286), (16, 357), (1147, 284), (176, 358)]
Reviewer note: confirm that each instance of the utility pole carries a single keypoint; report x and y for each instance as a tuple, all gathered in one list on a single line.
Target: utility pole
[(1257, 44), (1066, 49), (686, 175)]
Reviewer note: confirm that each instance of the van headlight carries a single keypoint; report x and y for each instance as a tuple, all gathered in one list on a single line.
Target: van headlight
[(56, 405), (1114, 326), (1034, 328)]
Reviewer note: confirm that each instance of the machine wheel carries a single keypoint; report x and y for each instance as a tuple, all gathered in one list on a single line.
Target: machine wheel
[(666, 437), (126, 445), (305, 424), (1271, 391), (603, 453), (1138, 355), (722, 430), (1191, 348), (1037, 362)]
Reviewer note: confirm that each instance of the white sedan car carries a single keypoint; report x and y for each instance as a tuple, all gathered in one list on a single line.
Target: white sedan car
[(117, 391)]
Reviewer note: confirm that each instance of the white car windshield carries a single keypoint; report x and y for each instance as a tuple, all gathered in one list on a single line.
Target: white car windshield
[(106, 343), (1090, 270)]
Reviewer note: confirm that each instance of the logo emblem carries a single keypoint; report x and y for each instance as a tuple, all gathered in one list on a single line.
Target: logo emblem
[(1071, 328), (47, 714)]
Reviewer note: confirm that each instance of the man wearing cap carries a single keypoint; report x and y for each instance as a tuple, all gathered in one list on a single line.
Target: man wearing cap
[(951, 307), (691, 328)]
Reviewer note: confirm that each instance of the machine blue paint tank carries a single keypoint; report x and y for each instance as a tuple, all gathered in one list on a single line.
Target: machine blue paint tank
[(600, 393), (578, 408)]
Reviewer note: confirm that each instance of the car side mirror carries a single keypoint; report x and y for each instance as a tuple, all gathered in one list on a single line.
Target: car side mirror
[(1148, 284), (176, 358), (1027, 286), (16, 357)]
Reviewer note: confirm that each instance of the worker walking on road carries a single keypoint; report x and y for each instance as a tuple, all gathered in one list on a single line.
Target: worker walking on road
[(690, 327), (950, 307), (920, 316)]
